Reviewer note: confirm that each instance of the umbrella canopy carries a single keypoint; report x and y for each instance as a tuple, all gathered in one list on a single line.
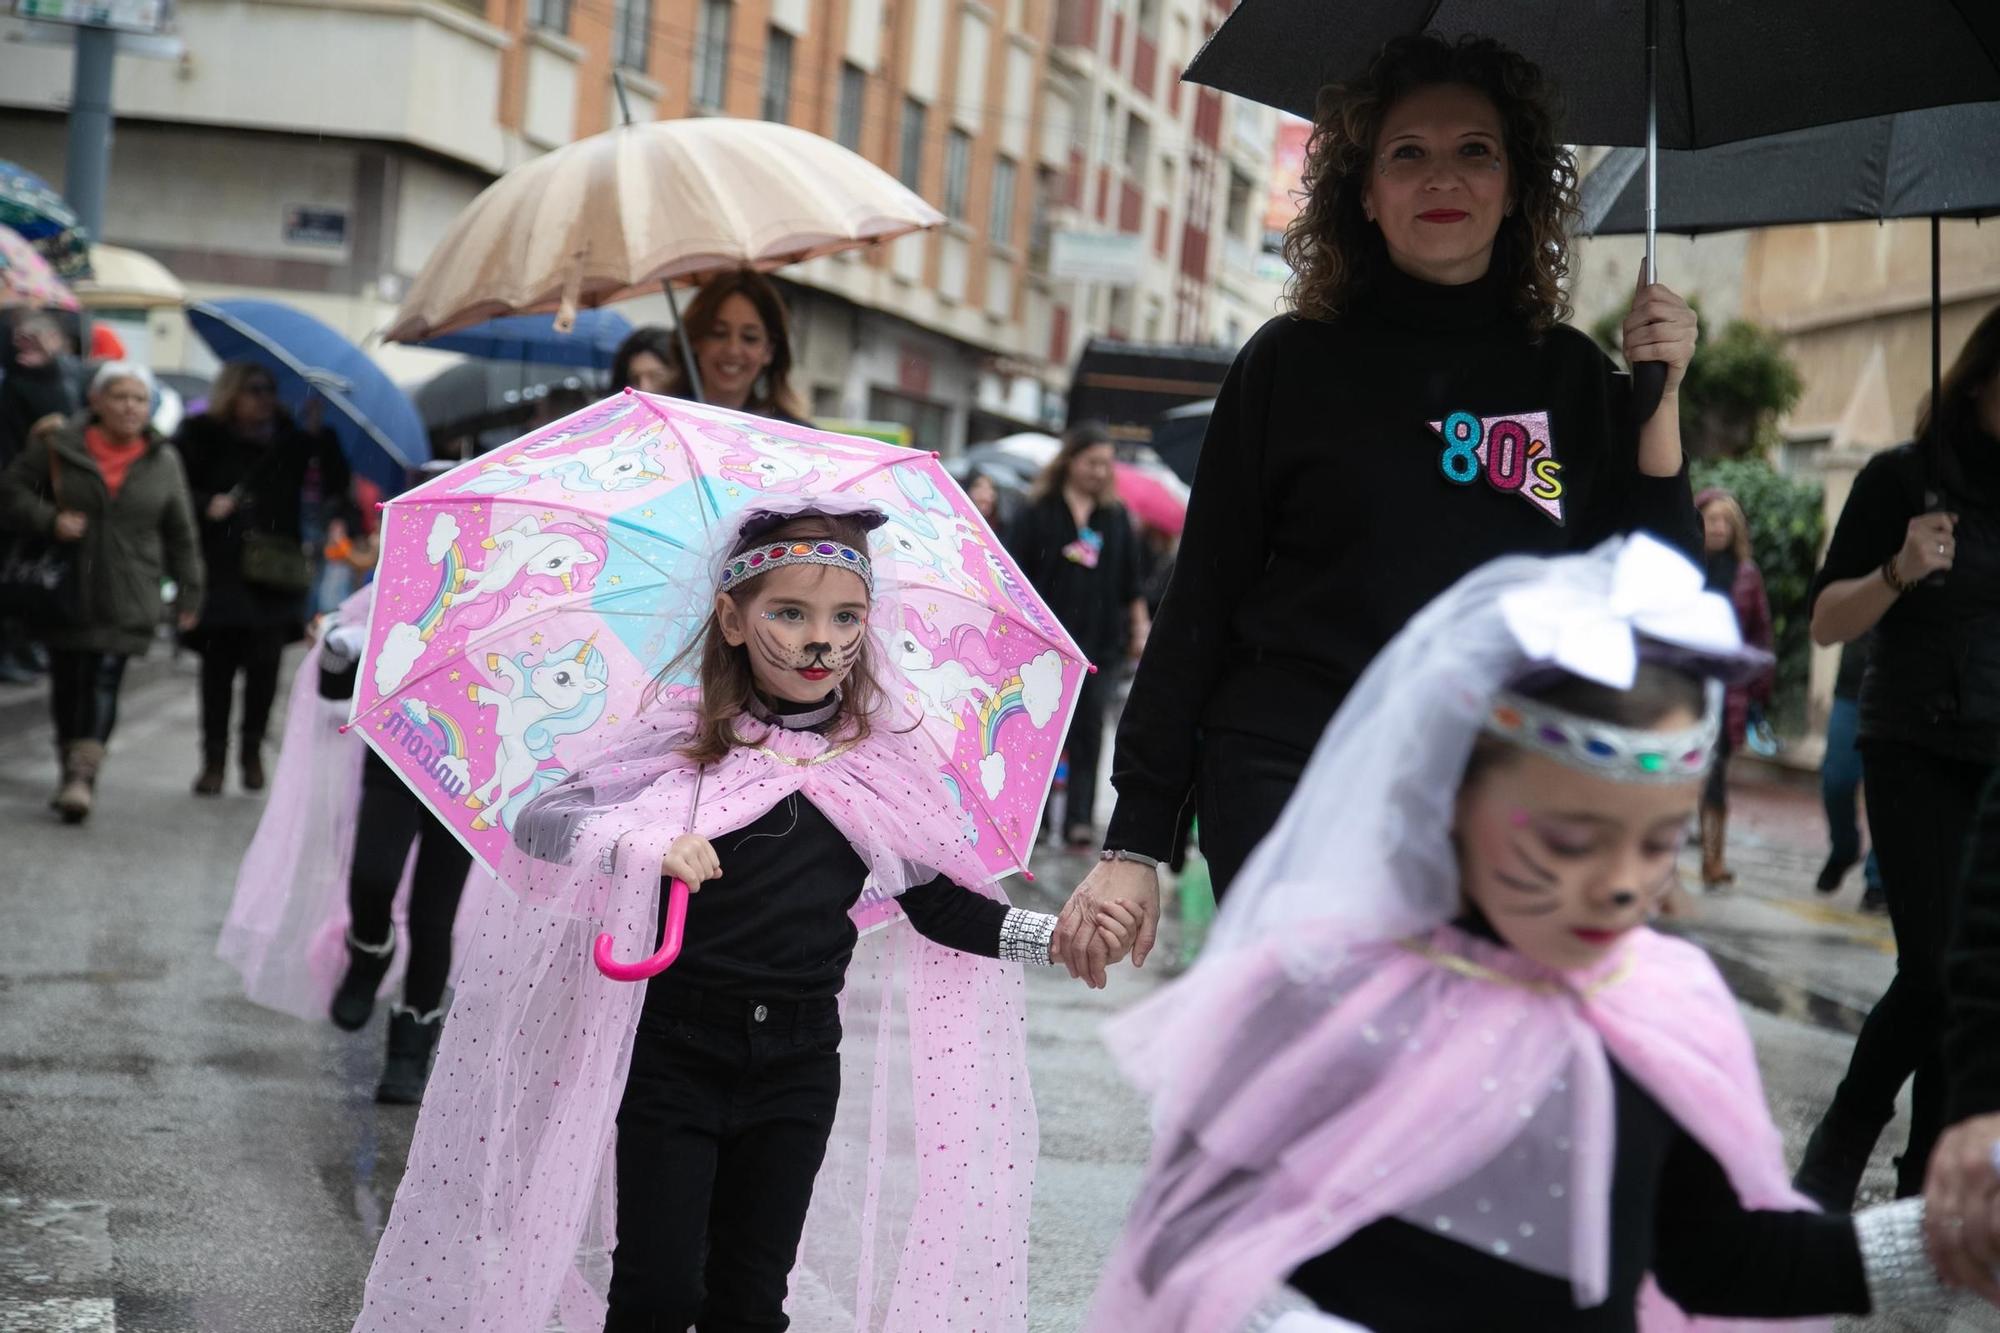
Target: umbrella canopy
[(527, 601), (477, 396), (380, 432), (592, 341), (1942, 162), (613, 215), (34, 208), (26, 280), (122, 279), (1154, 495), (1728, 69)]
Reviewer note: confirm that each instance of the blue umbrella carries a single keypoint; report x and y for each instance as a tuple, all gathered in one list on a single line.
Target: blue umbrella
[(379, 429), (593, 342)]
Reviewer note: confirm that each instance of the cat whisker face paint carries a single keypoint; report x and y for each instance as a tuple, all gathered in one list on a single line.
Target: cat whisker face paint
[(802, 627)]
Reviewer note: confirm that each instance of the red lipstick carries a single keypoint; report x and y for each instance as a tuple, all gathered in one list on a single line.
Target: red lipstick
[(814, 673), (1444, 215), (1597, 936)]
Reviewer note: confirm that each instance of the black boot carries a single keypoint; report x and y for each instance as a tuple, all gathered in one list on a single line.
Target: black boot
[(412, 1039), (1835, 1160), (366, 966)]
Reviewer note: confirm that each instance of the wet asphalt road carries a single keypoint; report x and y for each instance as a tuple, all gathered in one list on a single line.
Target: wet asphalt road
[(174, 1159)]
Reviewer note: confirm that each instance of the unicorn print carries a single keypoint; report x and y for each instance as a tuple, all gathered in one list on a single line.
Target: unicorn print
[(524, 550), (624, 463), (949, 684), (535, 705)]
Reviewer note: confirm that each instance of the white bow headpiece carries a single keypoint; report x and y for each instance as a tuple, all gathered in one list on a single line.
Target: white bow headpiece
[(1593, 632)]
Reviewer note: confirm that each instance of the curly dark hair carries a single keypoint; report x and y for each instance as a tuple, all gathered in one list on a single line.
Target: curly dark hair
[(1334, 250)]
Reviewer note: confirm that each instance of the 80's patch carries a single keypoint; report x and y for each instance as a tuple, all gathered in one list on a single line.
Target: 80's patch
[(1514, 454)]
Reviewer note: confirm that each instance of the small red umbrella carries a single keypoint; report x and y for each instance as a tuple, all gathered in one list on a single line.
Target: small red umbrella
[(1153, 500)]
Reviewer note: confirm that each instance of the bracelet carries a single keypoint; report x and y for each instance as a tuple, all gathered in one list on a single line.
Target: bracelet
[(1136, 858), (1893, 1262), (1894, 580), (1025, 936)]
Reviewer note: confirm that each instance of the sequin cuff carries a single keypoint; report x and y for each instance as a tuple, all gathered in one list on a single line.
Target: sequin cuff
[(1893, 1262), (1025, 936)]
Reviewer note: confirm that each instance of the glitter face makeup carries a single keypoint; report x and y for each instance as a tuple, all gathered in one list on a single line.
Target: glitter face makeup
[(1563, 863), (802, 627)]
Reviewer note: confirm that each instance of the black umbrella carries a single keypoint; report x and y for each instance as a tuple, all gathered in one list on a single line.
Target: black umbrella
[(1939, 163), (1657, 73)]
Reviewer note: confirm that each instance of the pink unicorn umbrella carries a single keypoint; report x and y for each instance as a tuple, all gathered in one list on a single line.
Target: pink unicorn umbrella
[(529, 599)]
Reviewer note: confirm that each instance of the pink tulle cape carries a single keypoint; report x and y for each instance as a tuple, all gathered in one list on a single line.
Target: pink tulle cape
[(507, 1213), (287, 924), (1320, 1086)]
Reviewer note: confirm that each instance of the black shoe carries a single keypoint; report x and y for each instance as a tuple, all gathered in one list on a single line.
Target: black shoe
[(412, 1039), (354, 1002), (1875, 902), (1834, 871), (1835, 1160)]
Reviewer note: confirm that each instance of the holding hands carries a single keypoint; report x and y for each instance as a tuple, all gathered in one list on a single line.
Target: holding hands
[(1962, 1206), (1115, 889)]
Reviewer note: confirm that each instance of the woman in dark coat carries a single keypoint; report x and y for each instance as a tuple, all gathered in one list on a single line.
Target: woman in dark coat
[(1916, 557), (1732, 571), (106, 482), (1421, 410), (248, 464)]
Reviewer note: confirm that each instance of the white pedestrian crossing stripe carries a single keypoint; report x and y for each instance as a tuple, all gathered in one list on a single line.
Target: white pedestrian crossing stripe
[(57, 1314)]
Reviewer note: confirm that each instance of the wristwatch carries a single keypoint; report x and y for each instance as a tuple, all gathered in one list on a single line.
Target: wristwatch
[(1137, 858)]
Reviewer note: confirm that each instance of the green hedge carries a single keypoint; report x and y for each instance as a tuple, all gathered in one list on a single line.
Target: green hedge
[(1786, 525)]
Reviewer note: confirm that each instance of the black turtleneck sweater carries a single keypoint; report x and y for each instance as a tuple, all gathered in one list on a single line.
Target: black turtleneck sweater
[(1353, 470)]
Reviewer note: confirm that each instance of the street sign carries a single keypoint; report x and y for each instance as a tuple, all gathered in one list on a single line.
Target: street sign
[(1096, 256), (150, 16)]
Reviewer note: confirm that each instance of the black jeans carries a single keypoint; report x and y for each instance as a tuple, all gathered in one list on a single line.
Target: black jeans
[(83, 694), (253, 650), (1244, 784), (720, 1136), (1920, 811), (391, 819), (1085, 746)]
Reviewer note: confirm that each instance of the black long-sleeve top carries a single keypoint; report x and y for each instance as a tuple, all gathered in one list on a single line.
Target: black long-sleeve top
[(1673, 1214), (1330, 505), (775, 924), (1933, 671), (1090, 580), (272, 475), (1972, 974)]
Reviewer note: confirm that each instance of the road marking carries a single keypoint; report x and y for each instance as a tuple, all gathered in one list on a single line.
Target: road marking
[(58, 1314)]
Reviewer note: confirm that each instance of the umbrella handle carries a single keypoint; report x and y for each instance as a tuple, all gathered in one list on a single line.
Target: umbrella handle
[(1649, 385), (670, 943)]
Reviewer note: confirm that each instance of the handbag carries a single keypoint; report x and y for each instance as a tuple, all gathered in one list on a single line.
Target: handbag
[(271, 560), (39, 582)]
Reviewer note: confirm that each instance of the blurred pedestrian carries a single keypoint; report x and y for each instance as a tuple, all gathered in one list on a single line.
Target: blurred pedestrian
[(1075, 543), (1420, 410), (1962, 1185), (37, 382), (742, 347), (105, 481), (643, 360), (1916, 557), (1732, 571), (1840, 781), (247, 462), (984, 493)]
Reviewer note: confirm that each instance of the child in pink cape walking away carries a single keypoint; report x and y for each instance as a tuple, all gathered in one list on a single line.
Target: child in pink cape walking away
[(792, 1126), (1436, 1071), (324, 893)]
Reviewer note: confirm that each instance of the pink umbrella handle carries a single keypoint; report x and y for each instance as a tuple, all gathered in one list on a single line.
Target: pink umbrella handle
[(670, 943)]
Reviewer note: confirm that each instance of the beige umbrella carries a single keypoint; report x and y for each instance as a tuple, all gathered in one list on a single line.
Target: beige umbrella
[(619, 213), (122, 279)]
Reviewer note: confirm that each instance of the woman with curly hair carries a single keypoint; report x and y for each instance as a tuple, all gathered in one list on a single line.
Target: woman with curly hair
[(1420, 410)]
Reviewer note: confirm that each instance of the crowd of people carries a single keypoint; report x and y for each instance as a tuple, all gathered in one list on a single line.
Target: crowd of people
[(1450, 658)]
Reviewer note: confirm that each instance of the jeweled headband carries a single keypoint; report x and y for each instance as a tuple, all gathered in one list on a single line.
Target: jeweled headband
[(767, 556), (1622, 754)]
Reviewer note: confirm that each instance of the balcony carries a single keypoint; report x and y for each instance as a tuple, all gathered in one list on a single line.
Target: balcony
[(1076, 25), (403, 71)]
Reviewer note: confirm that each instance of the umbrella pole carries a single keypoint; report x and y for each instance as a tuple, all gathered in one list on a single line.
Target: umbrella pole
[(686, 342), (1933, 448), (1649, 378)]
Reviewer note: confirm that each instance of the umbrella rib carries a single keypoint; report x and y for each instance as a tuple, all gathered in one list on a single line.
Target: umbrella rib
[(304, 372), (693, 460), (907, 457)]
